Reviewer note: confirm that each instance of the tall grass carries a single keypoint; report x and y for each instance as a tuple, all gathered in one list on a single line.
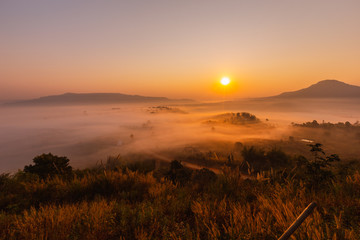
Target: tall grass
[(84, 220), (128, 204)]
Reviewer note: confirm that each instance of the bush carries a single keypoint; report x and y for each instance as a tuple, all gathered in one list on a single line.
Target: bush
[(256, 158), (277, 158), (178, 173)]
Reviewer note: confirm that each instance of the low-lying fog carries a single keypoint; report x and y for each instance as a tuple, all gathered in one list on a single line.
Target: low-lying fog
[(89, 134)]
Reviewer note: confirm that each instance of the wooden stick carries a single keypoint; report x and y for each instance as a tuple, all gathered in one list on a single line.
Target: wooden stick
[(298, 221)]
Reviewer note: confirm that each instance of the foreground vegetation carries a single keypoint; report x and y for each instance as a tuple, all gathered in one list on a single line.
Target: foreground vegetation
[(137, 200)]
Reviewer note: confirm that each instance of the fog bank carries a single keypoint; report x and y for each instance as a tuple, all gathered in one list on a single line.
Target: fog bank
[(89, 134)]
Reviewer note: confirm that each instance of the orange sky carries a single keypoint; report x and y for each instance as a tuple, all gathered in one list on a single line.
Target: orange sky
[(176, 49)]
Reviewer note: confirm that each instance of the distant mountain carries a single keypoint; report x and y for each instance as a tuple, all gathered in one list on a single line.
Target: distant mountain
[(325, 89), (92, 98)]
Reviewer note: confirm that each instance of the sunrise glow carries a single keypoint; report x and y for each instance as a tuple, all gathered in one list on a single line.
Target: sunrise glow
[(225, 81), (168, 49)]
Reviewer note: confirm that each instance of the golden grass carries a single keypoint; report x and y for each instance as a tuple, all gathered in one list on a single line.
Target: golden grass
[(162, 210), (71, 221)]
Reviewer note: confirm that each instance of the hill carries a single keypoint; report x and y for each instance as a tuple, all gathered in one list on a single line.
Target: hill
[(325, 89), (92, 98)]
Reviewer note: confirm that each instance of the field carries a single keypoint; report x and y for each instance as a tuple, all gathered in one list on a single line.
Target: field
[(121, 200)]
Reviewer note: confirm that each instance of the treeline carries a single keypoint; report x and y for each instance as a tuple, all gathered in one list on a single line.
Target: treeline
[(328, 125), (256, 198)]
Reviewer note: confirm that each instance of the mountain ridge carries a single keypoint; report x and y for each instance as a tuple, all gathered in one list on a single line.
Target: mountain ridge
[(92, 98), (324, 89)]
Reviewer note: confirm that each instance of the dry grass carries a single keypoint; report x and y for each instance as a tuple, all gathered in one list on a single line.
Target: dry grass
[(132, 205), (71, 221)]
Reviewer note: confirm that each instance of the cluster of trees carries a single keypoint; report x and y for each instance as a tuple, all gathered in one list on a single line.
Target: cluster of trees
[(164, 109), (315, 124), (314, 171), (239, 118)]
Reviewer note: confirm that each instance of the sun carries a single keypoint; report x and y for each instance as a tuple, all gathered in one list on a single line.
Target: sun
[(225, 81)]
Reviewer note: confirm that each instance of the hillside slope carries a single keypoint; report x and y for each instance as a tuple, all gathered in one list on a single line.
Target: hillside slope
[(325, 89)]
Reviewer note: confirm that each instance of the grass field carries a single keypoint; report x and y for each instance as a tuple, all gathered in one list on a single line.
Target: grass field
[(122, 200)]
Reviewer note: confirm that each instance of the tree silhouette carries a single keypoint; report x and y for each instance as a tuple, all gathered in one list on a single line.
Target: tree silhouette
[(48, 165), (317, 170)]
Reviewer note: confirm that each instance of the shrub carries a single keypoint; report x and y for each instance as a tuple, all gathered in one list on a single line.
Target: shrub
[(178, 173), (256, 158), (277, 158)]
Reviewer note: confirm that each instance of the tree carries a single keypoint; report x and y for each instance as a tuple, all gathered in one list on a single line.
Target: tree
[(48, 165), (317, 171), (320, 160)]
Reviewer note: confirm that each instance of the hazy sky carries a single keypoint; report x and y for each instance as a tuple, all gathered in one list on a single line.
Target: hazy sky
[(175, 48)]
